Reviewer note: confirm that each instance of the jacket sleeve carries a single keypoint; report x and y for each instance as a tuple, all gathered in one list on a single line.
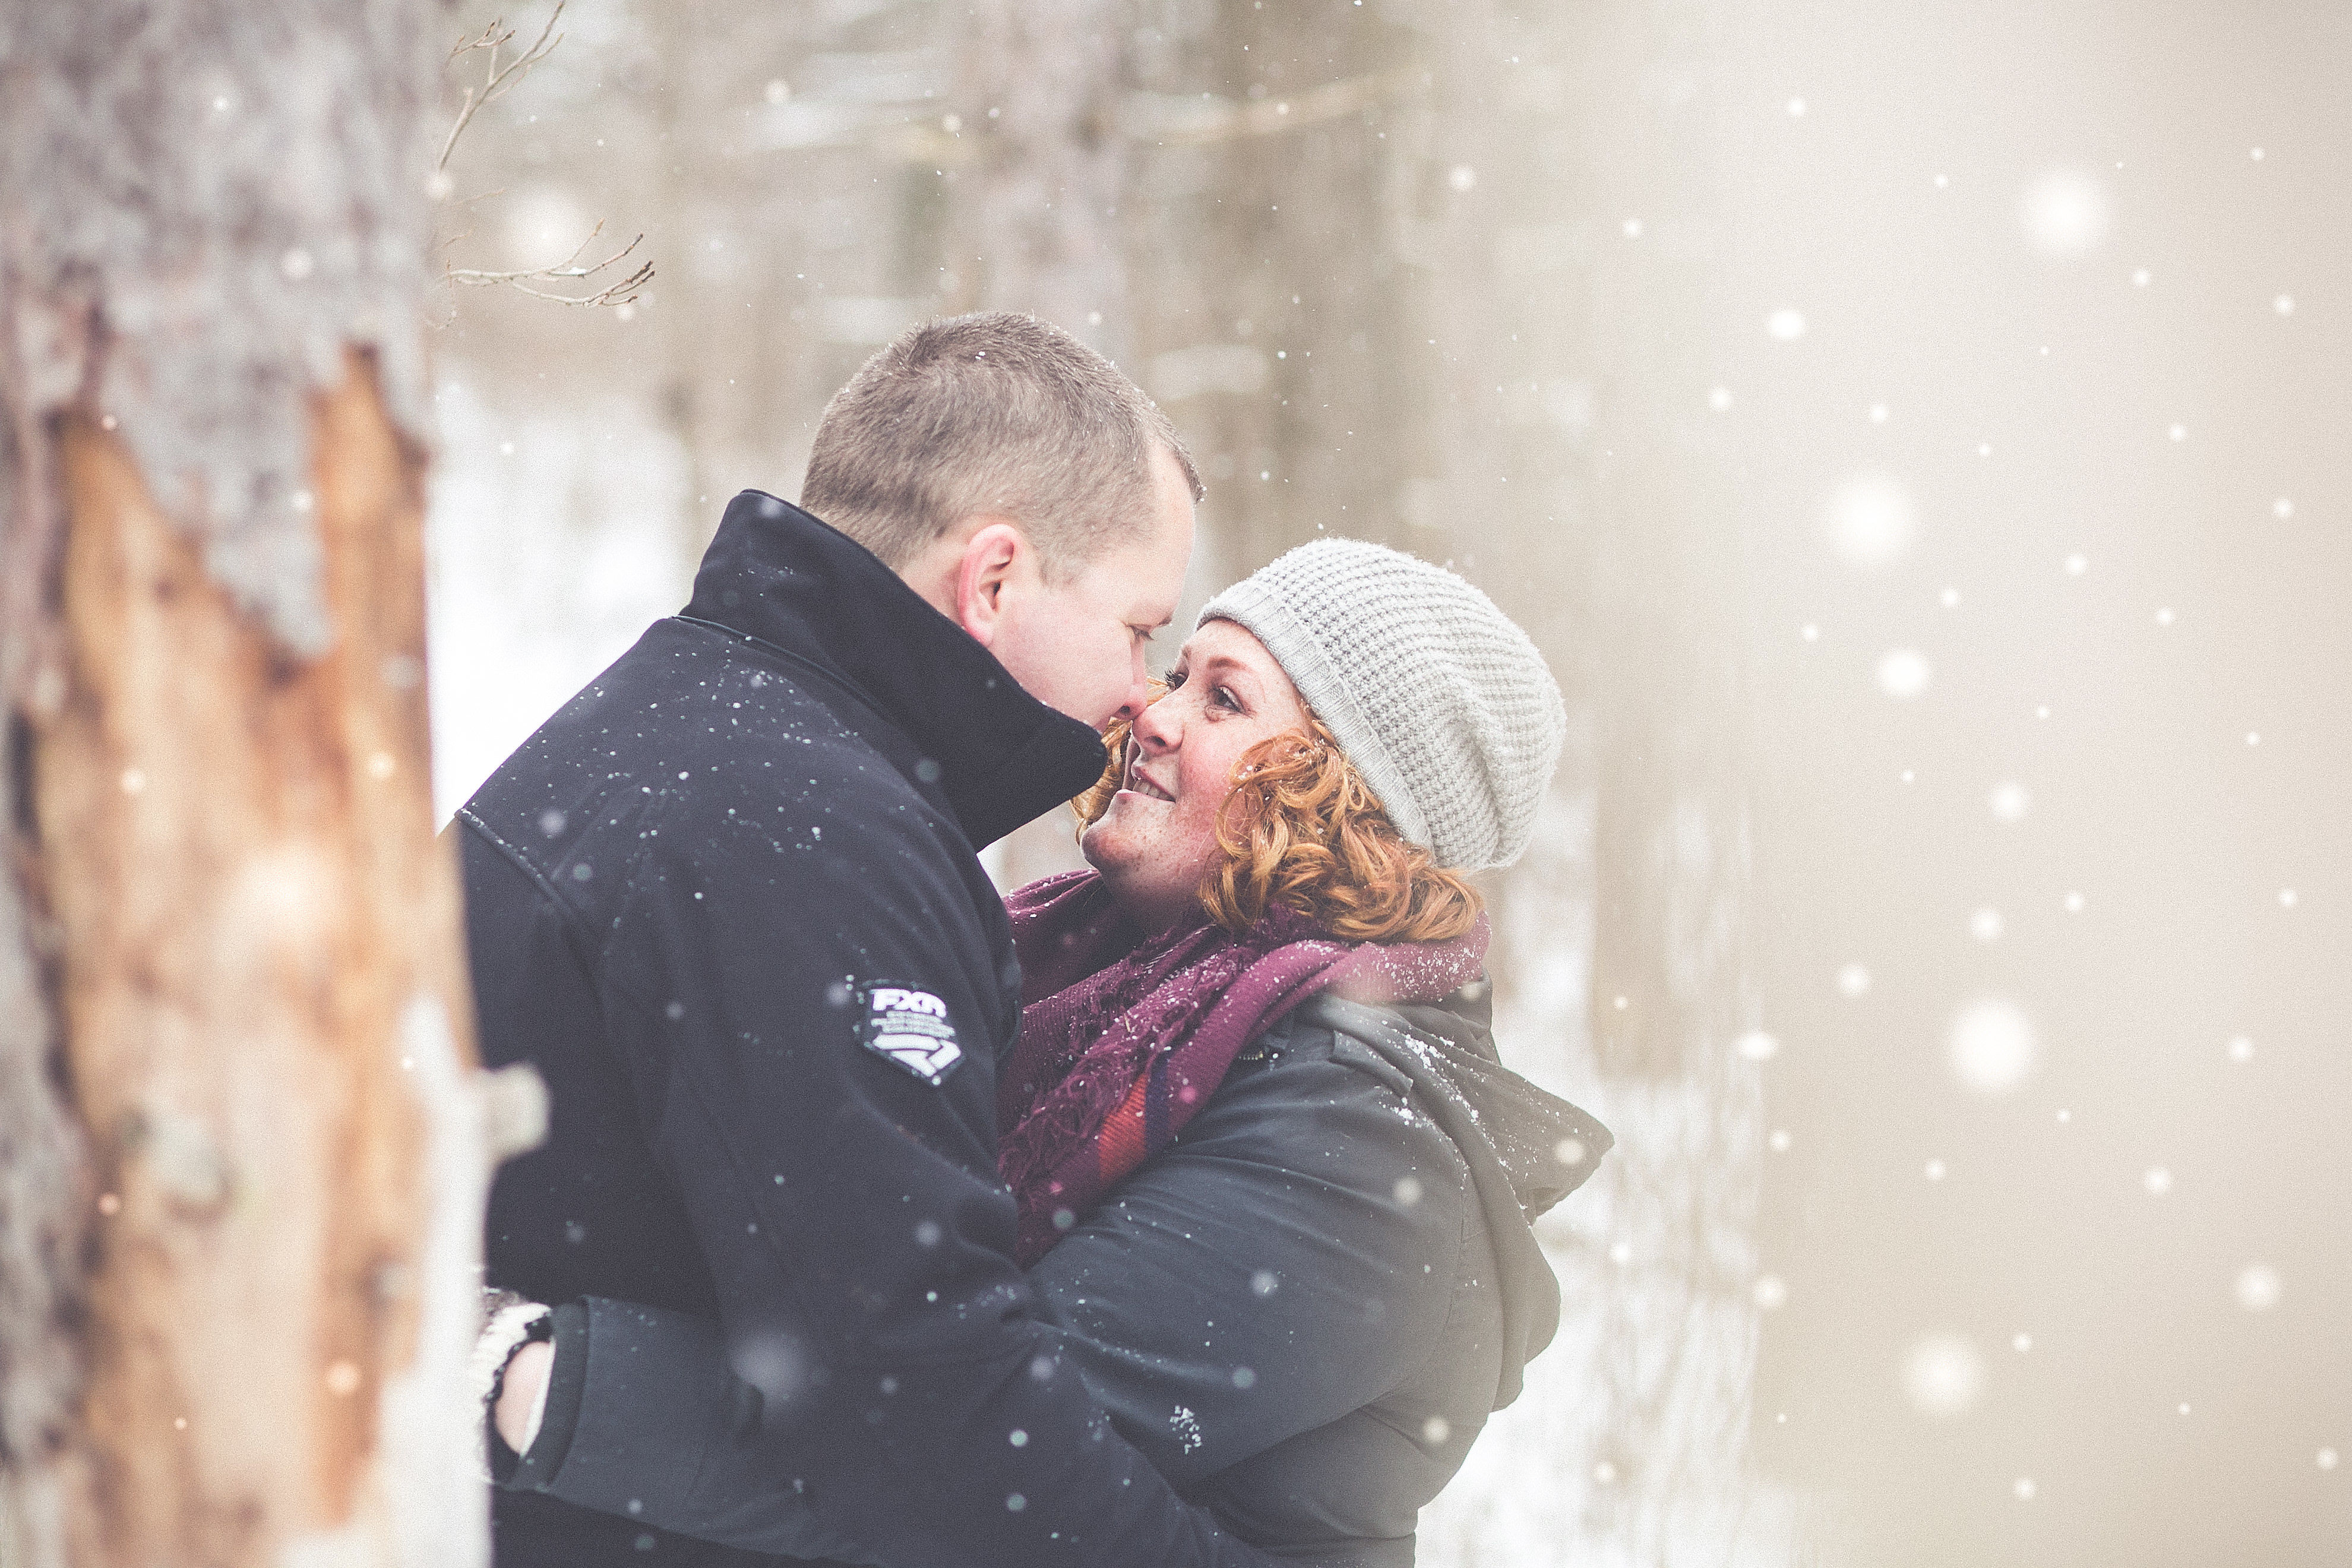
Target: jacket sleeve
[(1292, 1258), (848, 1206), (1288, 1260)]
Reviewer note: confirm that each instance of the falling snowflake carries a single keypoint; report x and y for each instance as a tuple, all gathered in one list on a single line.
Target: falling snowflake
[(2065, 213), (1993, 1046), (1904, 673), (1943, 1376), (2258, 1288)]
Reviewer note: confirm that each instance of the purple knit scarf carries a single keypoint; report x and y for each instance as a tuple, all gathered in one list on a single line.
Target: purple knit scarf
[(1123, 1040)]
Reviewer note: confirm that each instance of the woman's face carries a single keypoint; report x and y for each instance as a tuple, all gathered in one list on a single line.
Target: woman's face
[(1158, 838)]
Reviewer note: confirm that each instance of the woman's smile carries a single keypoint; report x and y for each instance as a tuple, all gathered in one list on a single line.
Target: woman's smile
[(1137, 782), (1224, 695)]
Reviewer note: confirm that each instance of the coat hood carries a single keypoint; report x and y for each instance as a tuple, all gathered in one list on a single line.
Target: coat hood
[(1525, 1149)]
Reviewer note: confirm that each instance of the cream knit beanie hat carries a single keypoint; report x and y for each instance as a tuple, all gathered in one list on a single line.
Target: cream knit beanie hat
[(1443, 704)]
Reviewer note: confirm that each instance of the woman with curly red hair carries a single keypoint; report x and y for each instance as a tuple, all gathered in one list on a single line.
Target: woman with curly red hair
[(1272, 1181)]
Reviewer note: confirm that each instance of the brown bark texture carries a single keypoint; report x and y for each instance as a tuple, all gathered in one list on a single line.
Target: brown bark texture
[(231, 989), (237, 847)]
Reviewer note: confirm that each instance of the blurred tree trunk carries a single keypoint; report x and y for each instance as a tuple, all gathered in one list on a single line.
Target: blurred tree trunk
[(1672, 986), (229, 965), (679, 31), (1036, 213), (1041, 84)]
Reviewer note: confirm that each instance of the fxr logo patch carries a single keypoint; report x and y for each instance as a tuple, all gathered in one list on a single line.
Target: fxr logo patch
[(908, 1028)]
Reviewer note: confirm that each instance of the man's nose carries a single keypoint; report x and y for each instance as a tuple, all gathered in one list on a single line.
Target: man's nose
[(1138, 691)]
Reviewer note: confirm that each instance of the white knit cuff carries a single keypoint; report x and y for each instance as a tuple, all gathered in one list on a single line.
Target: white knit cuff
[(510, 1323)]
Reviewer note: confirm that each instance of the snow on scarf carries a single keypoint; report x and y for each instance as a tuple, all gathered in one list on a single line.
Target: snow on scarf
[(1123, 1040)]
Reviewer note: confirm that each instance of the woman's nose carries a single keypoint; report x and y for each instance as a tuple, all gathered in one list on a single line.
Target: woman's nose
[(1157, 728)]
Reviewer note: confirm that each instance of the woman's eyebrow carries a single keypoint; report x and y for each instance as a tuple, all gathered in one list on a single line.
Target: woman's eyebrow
[(1230, 665)]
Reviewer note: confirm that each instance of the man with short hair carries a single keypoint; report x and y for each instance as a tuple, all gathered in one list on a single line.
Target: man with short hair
[(969, 438), (728, 901)]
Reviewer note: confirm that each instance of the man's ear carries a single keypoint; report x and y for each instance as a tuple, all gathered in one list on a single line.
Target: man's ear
[(992, 559)]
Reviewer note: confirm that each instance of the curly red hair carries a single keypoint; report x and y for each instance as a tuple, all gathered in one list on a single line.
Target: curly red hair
[(1302, 829)]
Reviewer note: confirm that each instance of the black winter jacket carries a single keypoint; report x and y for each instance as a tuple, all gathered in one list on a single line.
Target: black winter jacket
[(727, 900), (1302, 1309)]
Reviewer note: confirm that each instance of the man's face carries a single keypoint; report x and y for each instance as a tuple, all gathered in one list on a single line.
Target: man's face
[(1077, 645)]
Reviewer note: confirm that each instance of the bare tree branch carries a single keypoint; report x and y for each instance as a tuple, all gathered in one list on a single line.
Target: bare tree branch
[(491, 38), (1168, 120), (620, 293), (498, 80), (1184, 122)]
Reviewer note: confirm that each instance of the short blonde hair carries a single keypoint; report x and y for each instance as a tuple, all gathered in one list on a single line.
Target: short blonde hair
[(1302, 829), (989, 412)]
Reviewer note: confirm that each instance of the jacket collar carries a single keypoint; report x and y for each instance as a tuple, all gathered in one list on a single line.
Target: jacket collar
[(778, 574)]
